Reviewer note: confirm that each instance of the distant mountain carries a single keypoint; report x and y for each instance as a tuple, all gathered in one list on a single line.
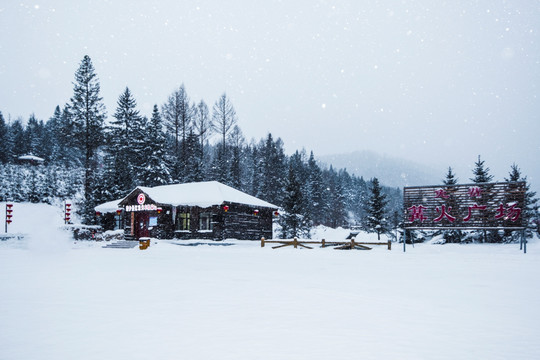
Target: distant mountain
[(391, 171)]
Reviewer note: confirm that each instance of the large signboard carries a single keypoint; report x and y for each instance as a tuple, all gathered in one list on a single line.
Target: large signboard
[(465, 206)]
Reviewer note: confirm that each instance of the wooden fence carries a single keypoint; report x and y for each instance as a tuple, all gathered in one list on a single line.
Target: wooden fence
[(340, 245)]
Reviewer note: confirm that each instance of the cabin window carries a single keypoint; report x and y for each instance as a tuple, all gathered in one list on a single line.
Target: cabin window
[(205, 221), (183, 221)]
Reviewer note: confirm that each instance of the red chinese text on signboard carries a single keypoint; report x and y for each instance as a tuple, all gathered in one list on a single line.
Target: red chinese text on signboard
[(417, 213), (474, 207), (510, 213), (465, 206)]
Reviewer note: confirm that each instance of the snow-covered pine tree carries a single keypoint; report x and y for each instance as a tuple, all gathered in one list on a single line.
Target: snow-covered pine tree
[(155, 170), (194, 166), (273, 171), (481, 173), (482, 176), (253, 169), (87, 112), (314, 191), (528, 213), (451, 236), (4, 135), (450, 178), (71, 155), (333, 200), (33, 134), (236, 141), (19, 145), (293, 221), (376, 210), (220, 166), (50, 140)]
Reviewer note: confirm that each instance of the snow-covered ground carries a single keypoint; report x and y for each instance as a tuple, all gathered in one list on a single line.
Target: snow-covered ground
[(65, 300)]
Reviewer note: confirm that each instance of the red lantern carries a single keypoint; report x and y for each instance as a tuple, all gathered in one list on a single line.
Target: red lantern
[(9, 206), (159, 210), (8, 221), (226, 208), (98, 213), (119, 211), (255, 212), (276, 213)]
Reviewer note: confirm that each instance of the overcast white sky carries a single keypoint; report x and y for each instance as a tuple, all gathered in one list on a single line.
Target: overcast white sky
[(438, 82)]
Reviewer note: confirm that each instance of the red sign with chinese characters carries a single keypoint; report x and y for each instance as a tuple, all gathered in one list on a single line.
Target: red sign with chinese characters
[(468, 206)]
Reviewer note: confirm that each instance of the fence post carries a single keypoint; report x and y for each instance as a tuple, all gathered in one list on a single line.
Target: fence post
[(352, 244), (323, 242), (389, 245), (295, 243), (524, 241), (262, 241), (404, 238)]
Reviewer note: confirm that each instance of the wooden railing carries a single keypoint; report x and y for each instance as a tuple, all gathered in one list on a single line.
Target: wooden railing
[(341, 245)]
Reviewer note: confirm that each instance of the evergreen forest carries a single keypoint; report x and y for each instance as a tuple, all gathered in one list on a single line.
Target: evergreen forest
[(92, 158)]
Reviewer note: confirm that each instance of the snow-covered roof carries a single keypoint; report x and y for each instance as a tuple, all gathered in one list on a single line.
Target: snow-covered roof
[(202, 194), (31, 158), (108, 207)]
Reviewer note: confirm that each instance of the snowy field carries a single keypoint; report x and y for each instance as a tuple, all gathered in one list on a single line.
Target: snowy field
[(65, 300)]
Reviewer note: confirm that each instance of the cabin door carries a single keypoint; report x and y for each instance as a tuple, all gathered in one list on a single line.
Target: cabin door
[(141, 225)]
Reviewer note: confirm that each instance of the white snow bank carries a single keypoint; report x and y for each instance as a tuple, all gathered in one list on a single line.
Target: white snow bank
[(39, 223)]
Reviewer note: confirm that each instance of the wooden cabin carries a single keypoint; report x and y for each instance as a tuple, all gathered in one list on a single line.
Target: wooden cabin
[(202, 210)]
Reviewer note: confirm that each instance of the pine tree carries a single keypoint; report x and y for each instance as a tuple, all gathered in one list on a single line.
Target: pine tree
[(70, 154), (450, 178), (376, 221), (33, 136), (273, 171), (19, 144), (194, 165), (314, 191), (482, 176), (236, 139), (530, 206), (50, 139), (88, 114), (155, 170), (125, 147), (293, 220), (334, 211), (4, 155), (451, 236), (220, 170)]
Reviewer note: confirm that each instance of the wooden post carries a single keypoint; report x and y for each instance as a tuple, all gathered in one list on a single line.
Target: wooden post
[(404, 238), (323, 242), (524, 241), (295, 243), (262, 241), (389, 245), (352, 244)]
